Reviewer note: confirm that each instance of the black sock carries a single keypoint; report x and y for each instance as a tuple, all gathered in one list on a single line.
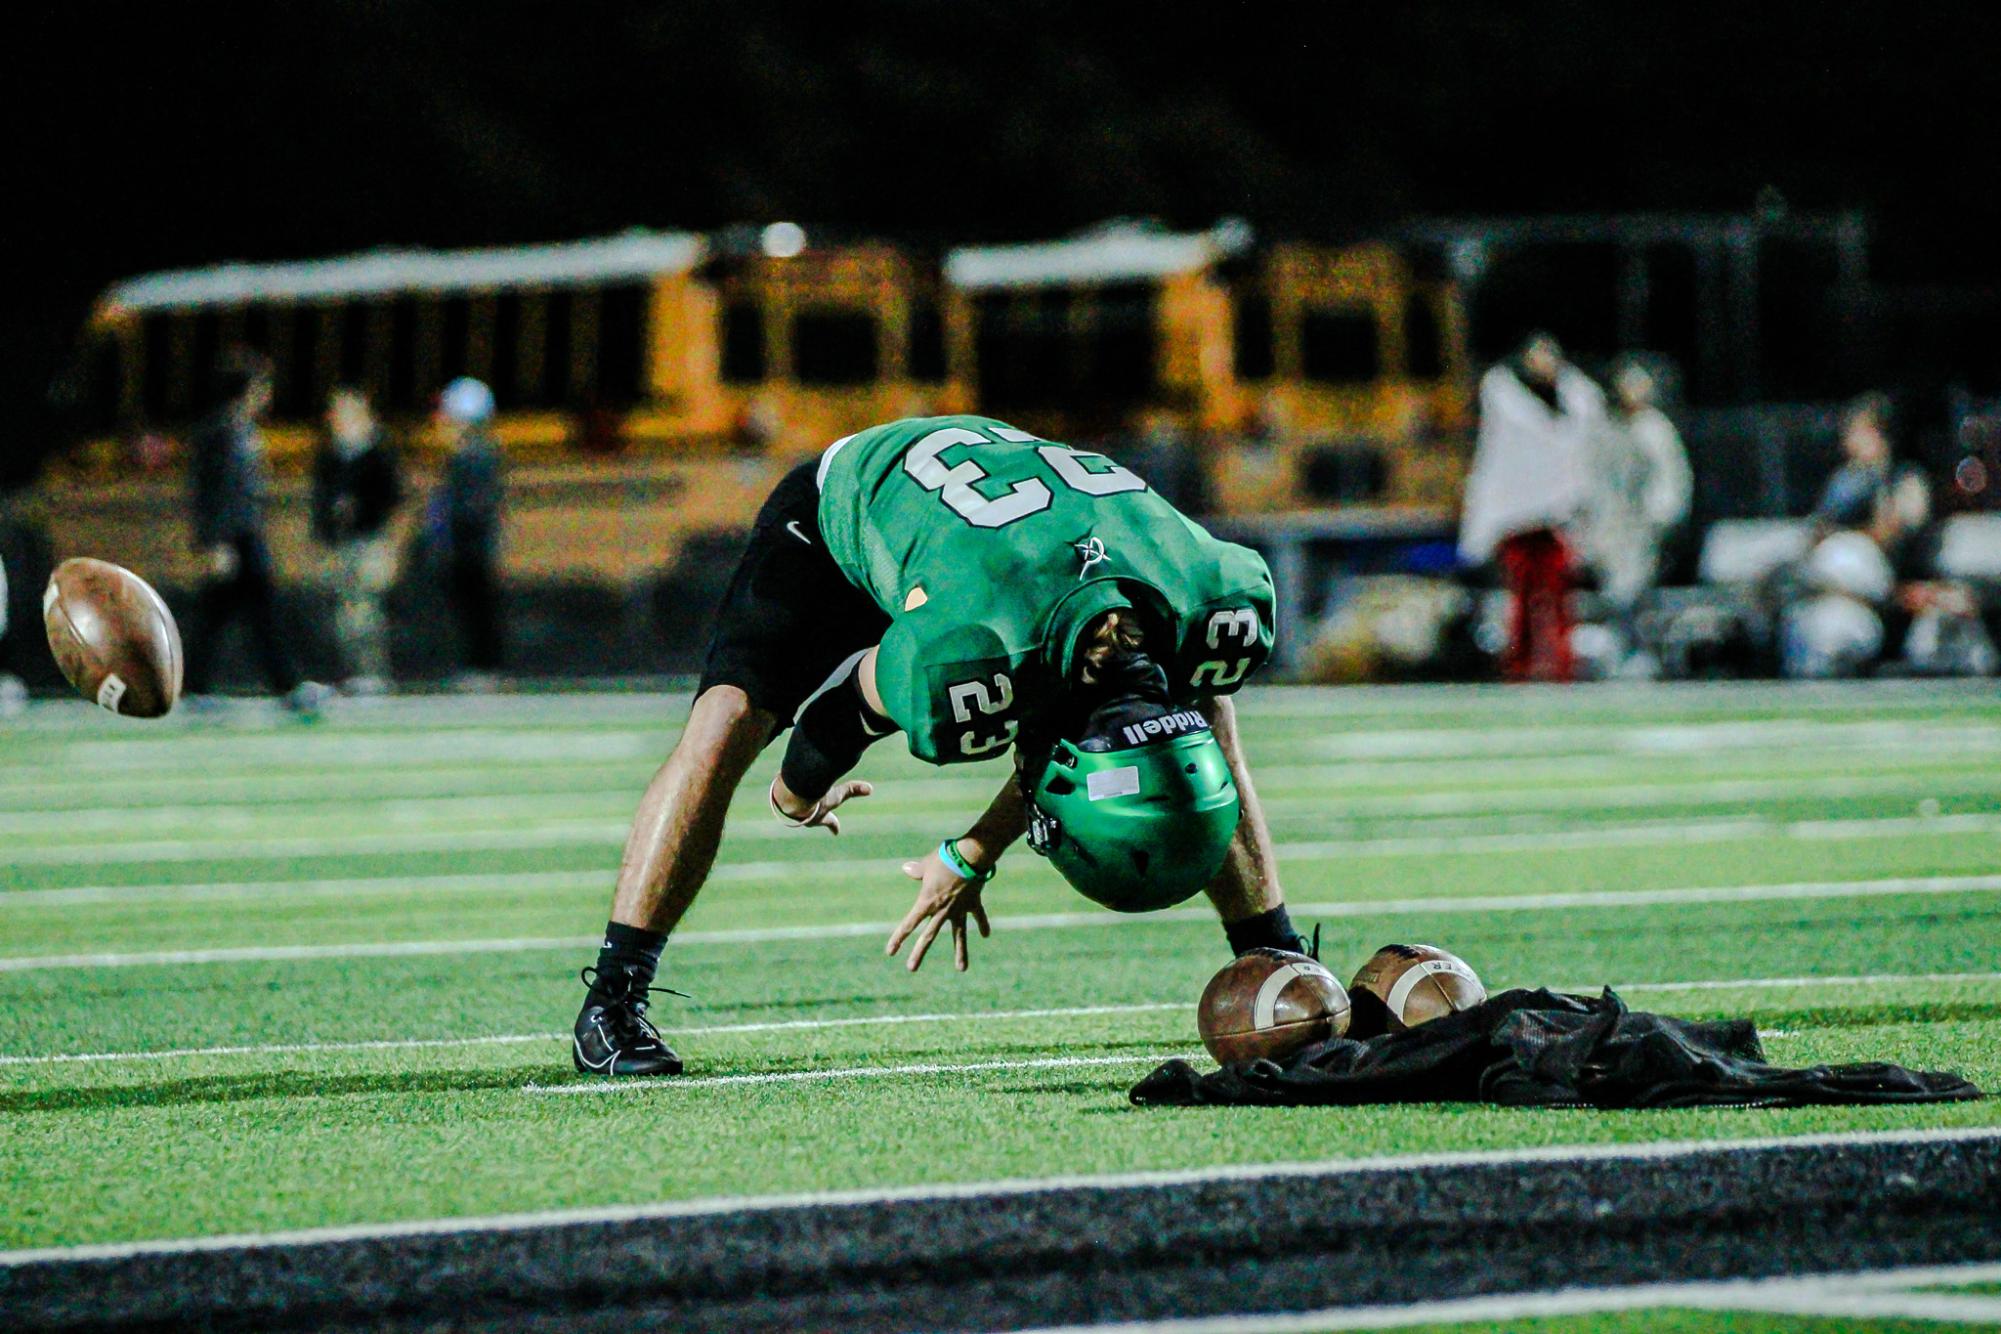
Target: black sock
[(1267, 931), (629, 956)]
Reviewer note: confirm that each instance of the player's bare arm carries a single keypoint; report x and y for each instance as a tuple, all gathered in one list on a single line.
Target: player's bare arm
[(947, 893), (1248, 883), (831, 734)]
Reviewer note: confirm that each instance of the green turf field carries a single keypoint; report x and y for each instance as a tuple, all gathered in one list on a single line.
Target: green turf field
[(260, 976)]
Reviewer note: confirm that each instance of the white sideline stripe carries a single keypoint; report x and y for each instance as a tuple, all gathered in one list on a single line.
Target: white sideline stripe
[(513, 1039), (1658, 1151), (1840, 1294), (1539, 837), (976, 1016), (601, 1086), (1814, 889)]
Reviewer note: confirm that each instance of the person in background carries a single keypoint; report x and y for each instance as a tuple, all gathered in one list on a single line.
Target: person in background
[(13, 692), (1868, 595), (1640, 492), (229, 485), (357, 486), (1868, 493), (1537, 413), (465, 520)]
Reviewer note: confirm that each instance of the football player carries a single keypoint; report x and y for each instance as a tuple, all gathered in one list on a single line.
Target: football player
[(978, 589)]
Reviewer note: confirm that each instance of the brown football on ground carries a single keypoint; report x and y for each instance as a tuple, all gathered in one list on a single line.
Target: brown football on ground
[(1267, 1004), (1418, 983), (113, 637)]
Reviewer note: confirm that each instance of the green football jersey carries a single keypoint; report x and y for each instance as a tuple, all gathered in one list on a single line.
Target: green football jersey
[(991, 550)]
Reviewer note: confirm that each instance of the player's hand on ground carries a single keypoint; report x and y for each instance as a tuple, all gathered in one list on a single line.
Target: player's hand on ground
[(818, 814), (944, 896)]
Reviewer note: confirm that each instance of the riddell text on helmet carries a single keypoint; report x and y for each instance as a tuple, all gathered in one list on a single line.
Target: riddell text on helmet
[(1172, 724)]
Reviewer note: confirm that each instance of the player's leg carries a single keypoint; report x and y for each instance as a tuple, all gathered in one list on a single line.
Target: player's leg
[(788, 620), (667, 857), (216, 604), (680, 821), (258, 597), (1246, 891)]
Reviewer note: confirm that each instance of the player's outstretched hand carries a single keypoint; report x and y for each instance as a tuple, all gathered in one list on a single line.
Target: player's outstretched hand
[(821, 814), (944, 897)]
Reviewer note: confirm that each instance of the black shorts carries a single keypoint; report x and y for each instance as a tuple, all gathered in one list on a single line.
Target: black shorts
[(790, 617)]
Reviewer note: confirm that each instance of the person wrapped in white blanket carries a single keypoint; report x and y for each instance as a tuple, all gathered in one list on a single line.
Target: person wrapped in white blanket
[(1639, 492)]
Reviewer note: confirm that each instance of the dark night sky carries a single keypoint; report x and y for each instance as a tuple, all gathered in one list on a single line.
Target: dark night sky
[(181, 134)]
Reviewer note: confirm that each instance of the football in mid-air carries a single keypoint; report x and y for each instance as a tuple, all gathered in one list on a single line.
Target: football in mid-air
[(113, 637), (1415, 984), (1267, 1004)]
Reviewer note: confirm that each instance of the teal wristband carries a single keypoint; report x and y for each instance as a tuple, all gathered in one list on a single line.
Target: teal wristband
[(948, 853)]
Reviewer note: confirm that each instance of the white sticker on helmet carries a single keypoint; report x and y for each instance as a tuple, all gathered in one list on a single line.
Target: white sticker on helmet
[(49, 596), (1122, 782), (110, 692)]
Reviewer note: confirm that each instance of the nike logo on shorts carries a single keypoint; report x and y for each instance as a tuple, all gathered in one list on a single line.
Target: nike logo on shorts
[(792, 527)]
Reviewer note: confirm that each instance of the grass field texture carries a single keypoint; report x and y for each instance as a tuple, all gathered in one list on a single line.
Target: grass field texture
[(258, 976)]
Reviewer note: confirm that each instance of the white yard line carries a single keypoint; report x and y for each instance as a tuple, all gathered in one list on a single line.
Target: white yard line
[(1843, 1294), (603, 1086), (1511, 834), (963, 1017), (289, 767), (1639, 796), (1783, 983), (607, 831), (292, 747), (516, 1039), (1812, 889), (1656, 1152), (1649, 740), (1540, 836), (235, 804)]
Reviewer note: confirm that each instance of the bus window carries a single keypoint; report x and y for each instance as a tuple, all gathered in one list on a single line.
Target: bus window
[(294, 334), (455, 339), (622, 346), (354, 322), (835, 347), (503, 370), (927, 343), (1252, 353), (1118, 354), (558, 325), (1424, 339), (155, 337), (743, 343), (1340, 345), (1020, 346), (403, 393)]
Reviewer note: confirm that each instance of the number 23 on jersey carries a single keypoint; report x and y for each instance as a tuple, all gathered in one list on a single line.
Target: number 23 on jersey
[(956, 483)]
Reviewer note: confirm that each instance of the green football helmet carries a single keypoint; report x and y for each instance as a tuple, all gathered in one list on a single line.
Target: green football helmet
[(1142, 827)]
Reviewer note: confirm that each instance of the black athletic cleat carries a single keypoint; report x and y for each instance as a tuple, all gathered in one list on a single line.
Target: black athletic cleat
[(613, 1036)]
